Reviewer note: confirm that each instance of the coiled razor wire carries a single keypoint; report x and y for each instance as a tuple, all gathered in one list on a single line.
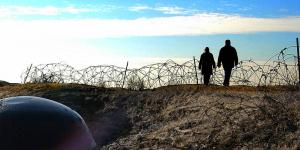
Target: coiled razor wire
[(281, 69)]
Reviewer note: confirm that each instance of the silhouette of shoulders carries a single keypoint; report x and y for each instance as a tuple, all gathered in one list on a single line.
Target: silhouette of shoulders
[(228, 56)]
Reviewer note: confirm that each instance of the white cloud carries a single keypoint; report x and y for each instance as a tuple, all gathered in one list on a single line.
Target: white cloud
[(199, 24), (174, 10), (139, 8), (7, 11), (165, 10), (44, 41)]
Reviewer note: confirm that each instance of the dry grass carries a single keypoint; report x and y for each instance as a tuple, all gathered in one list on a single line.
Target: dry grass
[(30, 87), (216, 88), (175, 88), (181, 117), (200, 117)]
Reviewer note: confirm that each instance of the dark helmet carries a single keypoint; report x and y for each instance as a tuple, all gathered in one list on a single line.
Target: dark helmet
[(35, 123)]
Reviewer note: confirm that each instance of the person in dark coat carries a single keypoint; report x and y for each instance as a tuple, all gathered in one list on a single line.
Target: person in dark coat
[(206, 64), (228, 58)]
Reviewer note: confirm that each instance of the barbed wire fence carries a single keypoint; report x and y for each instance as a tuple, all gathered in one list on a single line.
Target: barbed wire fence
[(280, 69)]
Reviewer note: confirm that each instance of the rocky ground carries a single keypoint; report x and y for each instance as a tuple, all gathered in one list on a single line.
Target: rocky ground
[(181, 117)]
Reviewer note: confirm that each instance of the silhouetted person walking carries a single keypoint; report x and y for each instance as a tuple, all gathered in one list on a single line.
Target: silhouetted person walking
[(228, 57), (206, 64)]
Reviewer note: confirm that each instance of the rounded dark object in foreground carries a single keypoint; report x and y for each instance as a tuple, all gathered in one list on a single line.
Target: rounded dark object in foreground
[(35, 123)]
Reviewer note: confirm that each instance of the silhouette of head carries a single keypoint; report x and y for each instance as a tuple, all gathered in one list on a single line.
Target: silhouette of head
[(39, 123), (206, 49), (227, 43)]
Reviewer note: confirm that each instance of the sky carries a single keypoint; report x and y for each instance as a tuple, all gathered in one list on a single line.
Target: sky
[(94, 32)]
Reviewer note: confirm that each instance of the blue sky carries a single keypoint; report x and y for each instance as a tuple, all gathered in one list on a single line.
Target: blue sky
[(119, 8), (93, 32)]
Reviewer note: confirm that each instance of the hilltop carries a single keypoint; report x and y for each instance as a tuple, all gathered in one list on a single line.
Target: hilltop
[(180, 117)]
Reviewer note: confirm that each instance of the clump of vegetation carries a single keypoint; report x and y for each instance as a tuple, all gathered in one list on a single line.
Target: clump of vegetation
[(3, 83), (102, 84), (267, 124), (225, 120), (47, 78), (135, 83)]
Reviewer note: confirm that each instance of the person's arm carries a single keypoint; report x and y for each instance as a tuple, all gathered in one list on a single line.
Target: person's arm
[(213, 61), (220, 58), (236, 59), (200, 62)]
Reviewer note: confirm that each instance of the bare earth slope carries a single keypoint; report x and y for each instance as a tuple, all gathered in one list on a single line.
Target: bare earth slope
[(181, 117)]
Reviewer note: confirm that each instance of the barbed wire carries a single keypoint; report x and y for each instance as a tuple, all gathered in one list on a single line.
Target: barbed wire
[(280, 69)]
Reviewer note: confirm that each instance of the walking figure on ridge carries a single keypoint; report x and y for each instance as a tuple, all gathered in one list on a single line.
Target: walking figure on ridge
[(206, 64), (228, 58)]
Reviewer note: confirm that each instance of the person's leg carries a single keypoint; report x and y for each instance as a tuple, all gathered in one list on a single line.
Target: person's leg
[(206, 79), (227, 76)]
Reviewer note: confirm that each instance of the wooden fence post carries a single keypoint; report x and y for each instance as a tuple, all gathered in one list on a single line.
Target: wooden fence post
[(125, 75), (27, 74), (195, 66), (298, 58)]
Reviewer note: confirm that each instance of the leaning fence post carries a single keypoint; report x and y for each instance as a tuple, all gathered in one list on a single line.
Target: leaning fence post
[(195, 66), (27, 74), (298, 58), (124, 78)]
